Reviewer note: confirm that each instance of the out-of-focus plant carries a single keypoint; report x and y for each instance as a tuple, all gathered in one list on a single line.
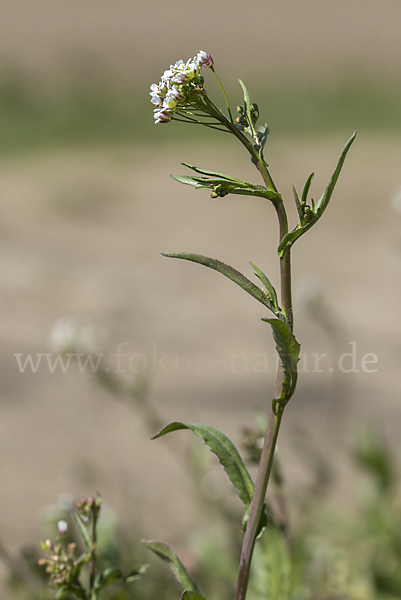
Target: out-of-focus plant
[(64, 563), (181, 95)]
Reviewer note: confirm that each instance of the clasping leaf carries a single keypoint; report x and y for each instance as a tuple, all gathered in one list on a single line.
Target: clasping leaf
[(309, 215), (288, 350)]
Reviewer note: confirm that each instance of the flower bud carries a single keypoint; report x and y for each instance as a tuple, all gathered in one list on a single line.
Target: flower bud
[(204, 59), (162, 116), (200, 91), (72, 548), (62, 528)]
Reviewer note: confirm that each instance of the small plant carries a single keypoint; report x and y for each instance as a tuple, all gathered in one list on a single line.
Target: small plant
[(181, 96), (64, 563)]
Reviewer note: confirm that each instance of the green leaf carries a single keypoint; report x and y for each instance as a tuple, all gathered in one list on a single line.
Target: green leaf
[(321, 204), (82, 530), (247, 108), (271, 292), (262, 133), (298, 204), (288, 350), (273, 569), (186, 179), (212, 173), (189, 595), (107, 577), (172, 559), (79, 563), (70, 590), (227, 454), (305, 191), (222, 187), (136, 573), (228, 272)]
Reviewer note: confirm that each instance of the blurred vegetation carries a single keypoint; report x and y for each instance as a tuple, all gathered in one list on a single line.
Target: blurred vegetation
[(90, 112), (324, 553)]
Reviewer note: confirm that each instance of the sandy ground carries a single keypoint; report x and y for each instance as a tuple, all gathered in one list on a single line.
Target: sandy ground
[(80, 237)]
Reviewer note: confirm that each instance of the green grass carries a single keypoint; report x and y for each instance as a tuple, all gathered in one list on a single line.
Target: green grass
[(92, 116)]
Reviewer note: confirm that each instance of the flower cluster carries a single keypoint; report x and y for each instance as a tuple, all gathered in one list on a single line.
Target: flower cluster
[(86, 506), (180, 87), (61, 563)]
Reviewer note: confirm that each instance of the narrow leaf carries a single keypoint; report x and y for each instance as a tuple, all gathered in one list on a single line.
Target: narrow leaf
[(321, 205), (298, 204), (172, 559), (82, 530), (227, 454), (268, 286), (228, 272), (187, 179), (136, 573), (212, 173), (288, 349), (305, 191), (247, 108)]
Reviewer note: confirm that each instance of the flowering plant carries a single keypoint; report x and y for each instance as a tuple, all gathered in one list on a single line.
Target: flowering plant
[(181, 96), (64, 564)]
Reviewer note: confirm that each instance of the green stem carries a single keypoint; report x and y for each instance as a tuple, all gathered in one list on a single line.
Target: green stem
[(258, 500), (92, 562), (224, 94), (273, 427)]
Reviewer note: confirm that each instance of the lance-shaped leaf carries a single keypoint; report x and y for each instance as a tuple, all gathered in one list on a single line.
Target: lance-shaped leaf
[(174, 562), (111, 575), (300, 210), (288, 350), (271, 292), (213, 173), (188, 595), (136, 573), (228, 272), (226, 185), (82, 530), (321, 204), (247, 108), (227, 454), (305, 191)]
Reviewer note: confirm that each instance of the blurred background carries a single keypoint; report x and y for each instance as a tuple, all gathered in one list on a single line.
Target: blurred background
[(87, 204)]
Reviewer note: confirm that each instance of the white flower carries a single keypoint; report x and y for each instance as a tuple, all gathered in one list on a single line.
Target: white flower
[(162, 116), (183, 73), (62, 528), (67, 336), (63, 335), (204, 59), (177, 86)]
